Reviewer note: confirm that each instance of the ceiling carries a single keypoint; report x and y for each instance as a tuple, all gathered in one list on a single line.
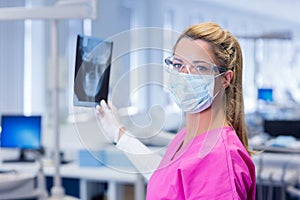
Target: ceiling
[(286, 10)]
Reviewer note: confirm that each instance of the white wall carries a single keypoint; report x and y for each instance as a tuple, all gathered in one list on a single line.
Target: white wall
[(11, 63)]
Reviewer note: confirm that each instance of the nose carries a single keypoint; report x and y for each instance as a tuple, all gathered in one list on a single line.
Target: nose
[(185, 69)]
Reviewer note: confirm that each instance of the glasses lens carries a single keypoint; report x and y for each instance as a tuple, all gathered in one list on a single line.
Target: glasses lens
[(202, 68), (199, 66)]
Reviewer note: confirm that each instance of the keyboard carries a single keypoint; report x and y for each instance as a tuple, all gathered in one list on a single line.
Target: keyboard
[(6, 171)]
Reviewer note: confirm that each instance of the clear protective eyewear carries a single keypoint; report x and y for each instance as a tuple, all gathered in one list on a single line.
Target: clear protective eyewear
[(199, 67)]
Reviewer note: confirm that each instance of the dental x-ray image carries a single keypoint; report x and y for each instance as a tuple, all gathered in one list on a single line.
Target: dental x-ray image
[(92, 70)]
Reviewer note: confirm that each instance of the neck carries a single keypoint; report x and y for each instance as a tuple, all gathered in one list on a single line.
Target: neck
[(206, 120)]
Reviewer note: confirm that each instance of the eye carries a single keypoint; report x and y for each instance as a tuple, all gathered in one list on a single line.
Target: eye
[(177, 65), (202, 68)]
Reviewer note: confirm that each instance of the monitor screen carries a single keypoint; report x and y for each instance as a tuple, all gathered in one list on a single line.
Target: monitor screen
[(92, 70), (19, 131), (265, 94)]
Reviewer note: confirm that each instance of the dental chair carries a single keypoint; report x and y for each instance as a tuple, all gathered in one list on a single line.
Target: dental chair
[(273, 175)]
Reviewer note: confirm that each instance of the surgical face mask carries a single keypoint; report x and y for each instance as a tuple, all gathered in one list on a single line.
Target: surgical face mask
[(192, 93)]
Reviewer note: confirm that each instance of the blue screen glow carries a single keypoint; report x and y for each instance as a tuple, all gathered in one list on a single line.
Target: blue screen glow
[(22, 132), (265, 94)]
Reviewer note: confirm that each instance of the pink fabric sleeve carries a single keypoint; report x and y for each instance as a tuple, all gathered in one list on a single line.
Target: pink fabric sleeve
[(244, 175)]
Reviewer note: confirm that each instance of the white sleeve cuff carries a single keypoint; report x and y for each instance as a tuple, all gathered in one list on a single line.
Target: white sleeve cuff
[(145, 161), (130, 144)]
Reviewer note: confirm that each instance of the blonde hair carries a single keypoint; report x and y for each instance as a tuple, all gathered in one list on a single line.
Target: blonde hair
[(228, 54)]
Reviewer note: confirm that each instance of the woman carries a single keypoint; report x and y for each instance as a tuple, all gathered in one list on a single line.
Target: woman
[(209, 159)]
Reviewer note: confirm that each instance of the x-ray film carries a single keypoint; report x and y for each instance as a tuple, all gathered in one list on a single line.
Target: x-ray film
[(92, 70)]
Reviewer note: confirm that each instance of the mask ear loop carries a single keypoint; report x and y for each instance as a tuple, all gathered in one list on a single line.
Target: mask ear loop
[(219, 75), (219, 90), (212, 138)]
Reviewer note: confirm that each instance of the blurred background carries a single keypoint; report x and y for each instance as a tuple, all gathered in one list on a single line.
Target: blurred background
[(143, 33)]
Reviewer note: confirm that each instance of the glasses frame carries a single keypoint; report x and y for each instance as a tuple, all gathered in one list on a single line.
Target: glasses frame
[(215, 68)]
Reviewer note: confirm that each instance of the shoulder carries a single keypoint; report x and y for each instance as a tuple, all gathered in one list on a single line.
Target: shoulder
[(236, 153), (235, 150)]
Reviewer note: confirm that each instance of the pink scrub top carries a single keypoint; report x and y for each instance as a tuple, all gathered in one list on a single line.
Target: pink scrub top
[(203, 169)]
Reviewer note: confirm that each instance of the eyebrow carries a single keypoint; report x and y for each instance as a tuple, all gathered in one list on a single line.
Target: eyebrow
[(178, 59), (194, 61), (201, 61)]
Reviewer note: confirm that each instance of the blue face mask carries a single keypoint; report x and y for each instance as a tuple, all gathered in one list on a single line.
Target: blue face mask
[(192, 93)]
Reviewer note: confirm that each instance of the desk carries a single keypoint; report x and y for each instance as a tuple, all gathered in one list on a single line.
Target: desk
[(90, 178)]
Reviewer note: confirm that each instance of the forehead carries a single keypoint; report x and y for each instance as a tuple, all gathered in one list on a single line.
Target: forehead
[(190, 50)]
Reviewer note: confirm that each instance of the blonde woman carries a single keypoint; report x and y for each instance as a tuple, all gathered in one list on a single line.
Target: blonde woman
[(209, 158)]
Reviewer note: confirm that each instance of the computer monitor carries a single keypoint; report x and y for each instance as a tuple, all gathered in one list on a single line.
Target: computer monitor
[(265, 94), (282, 127), (21, 132), (92, 70)]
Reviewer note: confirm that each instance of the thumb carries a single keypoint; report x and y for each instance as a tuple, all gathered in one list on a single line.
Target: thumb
[(104, 106)]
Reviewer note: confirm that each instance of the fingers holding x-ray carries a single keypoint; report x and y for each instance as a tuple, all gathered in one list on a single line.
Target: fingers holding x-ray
[(108, 121)]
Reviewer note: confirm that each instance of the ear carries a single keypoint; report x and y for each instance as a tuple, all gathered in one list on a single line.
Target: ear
[(227, 77)]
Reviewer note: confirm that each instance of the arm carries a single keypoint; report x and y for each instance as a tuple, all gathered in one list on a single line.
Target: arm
[(141, 156)]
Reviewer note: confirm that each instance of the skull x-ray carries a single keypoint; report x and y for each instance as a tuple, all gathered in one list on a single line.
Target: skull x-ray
[(92, 70)]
